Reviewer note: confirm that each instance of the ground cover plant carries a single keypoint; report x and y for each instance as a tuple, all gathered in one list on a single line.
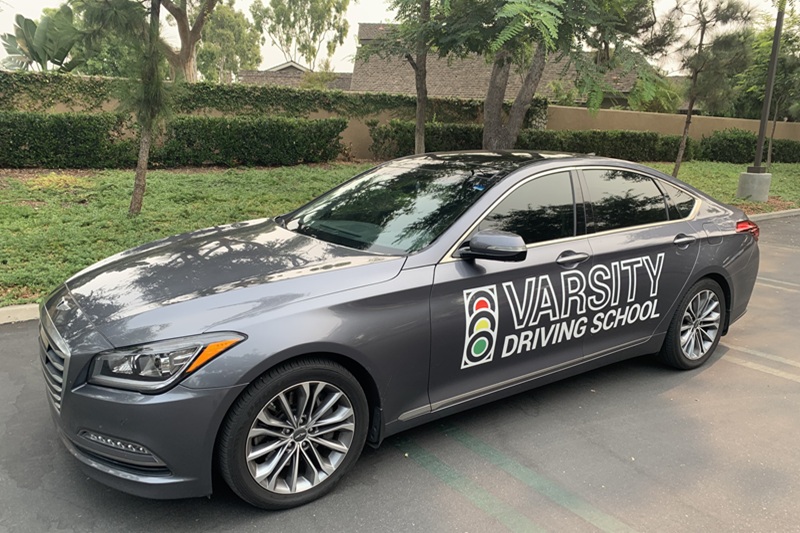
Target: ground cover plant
[(54, 223)]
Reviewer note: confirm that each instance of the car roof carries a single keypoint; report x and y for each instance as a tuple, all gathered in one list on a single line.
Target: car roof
[(499, 160)]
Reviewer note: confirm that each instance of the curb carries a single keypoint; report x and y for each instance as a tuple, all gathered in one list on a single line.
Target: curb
[(776, 214), (21, 313), (18, 313)]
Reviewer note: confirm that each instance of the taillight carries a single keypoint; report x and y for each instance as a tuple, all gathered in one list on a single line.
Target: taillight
[(748, 226)]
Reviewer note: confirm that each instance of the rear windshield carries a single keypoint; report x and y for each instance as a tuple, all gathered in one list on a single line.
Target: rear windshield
[(394, 209)]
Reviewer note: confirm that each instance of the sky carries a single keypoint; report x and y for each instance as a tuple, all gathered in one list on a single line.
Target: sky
[(363, 11), (360, 11)]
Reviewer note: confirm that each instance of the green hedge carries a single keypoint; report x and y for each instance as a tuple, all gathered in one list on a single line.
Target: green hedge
[(40, 92), (621, 144), (64, 141), (739, 146), (729, 146), (232, 141), (97, 141), (396, 138)]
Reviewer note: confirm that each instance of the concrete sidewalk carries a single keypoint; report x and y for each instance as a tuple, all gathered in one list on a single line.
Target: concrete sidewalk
[(21, 313)]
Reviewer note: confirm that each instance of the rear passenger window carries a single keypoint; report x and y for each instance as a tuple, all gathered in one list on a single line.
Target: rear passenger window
[(679, 202), (623, 199), (541, 210)]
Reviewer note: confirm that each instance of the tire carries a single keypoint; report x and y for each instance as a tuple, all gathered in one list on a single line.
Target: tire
[(293, 434), (691, 339)]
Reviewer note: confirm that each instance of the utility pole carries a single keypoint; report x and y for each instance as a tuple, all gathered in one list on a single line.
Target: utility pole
[(754, 184)]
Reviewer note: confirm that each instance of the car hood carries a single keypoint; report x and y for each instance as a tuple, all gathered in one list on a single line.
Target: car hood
[(188, 283)]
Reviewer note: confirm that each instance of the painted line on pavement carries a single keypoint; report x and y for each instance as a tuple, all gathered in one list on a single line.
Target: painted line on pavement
[(776, 285), (780, 282), (536, 481), (480, 498), (776, 358), (761, 368)]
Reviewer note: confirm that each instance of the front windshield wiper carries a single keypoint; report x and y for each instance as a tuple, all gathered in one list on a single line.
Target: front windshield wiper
[(280, 220)]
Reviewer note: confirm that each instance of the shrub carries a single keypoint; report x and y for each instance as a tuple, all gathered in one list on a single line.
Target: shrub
[(621, 144), (667, 148), (729, 146), (251, 141), (396, 138), (785, 151), (66, 140)]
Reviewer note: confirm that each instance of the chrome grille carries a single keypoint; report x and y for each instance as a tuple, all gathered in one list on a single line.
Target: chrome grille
[(53, 364)]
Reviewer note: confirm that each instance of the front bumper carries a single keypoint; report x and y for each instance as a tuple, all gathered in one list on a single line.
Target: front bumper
[(172, 436)]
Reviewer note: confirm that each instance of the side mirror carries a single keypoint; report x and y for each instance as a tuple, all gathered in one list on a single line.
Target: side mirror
[(496, 245)]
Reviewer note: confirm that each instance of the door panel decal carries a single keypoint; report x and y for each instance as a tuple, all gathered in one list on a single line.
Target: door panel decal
[(480, 306), (609, 296)]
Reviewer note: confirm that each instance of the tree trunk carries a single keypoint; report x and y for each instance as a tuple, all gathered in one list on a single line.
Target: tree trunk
[(189, 63), (184, 61), (499, 134), (522, 103), (690, 108), (684, 137), (140, 181), (495, 96), (421, 77)]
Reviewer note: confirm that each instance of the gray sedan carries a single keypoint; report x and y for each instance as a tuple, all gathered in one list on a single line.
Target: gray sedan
[(276, 349)]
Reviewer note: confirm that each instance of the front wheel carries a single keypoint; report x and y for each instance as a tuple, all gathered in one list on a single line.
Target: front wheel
[(696, 328), (293, 434)]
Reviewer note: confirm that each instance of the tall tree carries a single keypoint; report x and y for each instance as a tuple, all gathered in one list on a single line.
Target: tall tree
[(751, 84), (138, 22), (230, 43), (518, 35), (44, 45), (412, 39), (190, 18), (715, 47), (302, 28)]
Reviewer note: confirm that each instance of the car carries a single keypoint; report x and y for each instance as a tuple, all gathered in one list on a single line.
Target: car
[(275, 349)]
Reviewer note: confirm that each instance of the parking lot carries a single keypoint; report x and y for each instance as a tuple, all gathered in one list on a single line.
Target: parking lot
[(632, 447)]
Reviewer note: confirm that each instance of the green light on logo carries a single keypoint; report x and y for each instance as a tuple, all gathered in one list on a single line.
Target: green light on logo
[(479, 347)]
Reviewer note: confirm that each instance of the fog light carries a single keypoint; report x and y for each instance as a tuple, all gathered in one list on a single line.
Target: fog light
[(115, 443)]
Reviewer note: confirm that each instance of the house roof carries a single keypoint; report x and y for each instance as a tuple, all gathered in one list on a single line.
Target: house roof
[(290, 78), (459, 77), (288, 66)]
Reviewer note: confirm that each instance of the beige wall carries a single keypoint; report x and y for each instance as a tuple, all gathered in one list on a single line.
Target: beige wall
[(355, 136), (577, 118)]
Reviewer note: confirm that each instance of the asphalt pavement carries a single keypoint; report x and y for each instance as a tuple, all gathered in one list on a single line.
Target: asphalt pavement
[(630, 447)]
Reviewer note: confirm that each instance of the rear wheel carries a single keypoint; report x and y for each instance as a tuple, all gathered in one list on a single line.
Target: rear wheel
[(696, 328), (293, 434)]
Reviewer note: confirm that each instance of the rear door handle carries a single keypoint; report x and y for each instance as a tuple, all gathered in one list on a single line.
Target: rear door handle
[(683, 240), (570, 258)]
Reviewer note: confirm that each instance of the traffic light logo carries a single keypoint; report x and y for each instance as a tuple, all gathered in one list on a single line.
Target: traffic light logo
[(480, 306)]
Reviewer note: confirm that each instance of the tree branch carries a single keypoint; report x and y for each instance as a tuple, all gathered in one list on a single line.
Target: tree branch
[(205, 10), (411, 61)]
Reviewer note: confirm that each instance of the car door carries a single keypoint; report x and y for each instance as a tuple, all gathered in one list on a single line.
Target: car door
[(643, 256), (496, 323)]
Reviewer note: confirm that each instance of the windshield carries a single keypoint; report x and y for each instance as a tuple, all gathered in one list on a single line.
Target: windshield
[(397, 208)]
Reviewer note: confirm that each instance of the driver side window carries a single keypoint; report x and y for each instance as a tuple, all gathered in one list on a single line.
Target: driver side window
[(542, 209)]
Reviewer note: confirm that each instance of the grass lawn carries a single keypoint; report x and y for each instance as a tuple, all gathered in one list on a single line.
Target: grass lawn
[(53, 224)]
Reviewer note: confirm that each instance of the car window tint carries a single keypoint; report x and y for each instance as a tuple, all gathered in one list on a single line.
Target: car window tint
[(397, 208), (679, 202), (623, 199), (541, 210)]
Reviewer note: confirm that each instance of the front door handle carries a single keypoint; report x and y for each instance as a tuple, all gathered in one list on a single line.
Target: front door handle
[(683, 240), (571, 259)]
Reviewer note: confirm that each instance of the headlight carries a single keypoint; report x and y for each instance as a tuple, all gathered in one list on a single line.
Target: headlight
[(155, 366)]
